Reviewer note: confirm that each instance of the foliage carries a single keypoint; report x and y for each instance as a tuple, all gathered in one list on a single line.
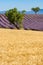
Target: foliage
[(14, 16), (23, 11), (36, 9)]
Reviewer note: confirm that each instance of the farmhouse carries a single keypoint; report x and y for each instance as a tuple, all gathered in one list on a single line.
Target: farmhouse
[(32, 21)]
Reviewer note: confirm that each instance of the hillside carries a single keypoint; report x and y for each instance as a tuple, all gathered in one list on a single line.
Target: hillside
[(32, 21), (5, 23), (21, 47)]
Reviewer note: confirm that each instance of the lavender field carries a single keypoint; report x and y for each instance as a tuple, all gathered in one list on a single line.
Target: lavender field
[(32, 21)]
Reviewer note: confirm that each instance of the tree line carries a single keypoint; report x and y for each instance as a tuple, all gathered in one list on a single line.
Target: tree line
[(15, 17)]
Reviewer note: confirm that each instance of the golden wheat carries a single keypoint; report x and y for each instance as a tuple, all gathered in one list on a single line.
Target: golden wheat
[(21, 47)]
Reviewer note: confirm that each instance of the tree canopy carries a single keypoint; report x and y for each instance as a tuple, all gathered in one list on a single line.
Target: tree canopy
[(15, 16), (36, 9)]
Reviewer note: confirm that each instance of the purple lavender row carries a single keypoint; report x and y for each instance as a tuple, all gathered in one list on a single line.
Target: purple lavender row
[(4, 18), (34, 23), (3, 25), (8, 25)]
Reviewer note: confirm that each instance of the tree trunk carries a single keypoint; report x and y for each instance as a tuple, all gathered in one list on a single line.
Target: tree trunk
[(16, 25)]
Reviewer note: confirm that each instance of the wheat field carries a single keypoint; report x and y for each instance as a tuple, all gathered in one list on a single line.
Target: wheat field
[(21, 47)]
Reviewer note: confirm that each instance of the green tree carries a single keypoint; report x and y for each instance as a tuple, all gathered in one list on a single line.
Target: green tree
[(36, 9), (14, 17), (23, 11)]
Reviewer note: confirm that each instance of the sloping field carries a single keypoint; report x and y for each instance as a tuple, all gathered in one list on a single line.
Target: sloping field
[(33, 21), (4, 22), (21, 47)]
